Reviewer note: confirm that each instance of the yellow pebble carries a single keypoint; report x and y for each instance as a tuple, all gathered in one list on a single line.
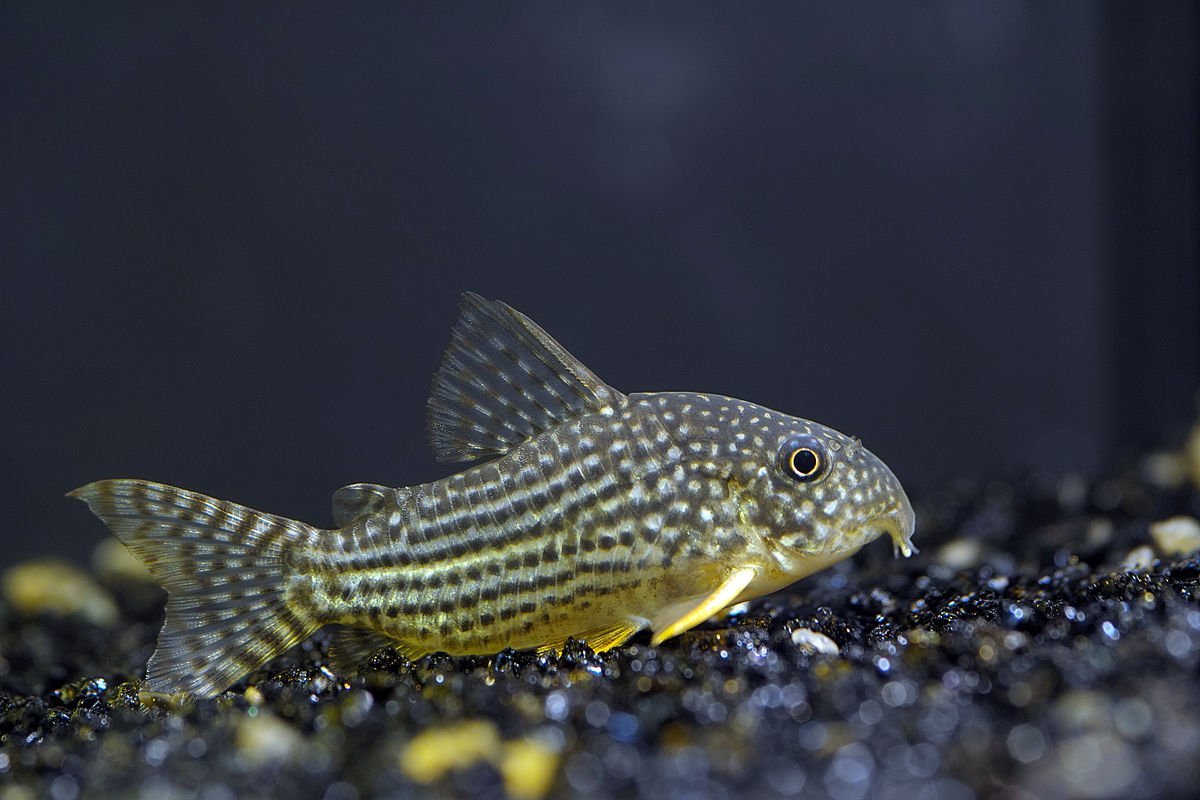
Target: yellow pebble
[(112, 561), (266, 739), (1177, 536), (434, 752), (53, 586), (528, 769)]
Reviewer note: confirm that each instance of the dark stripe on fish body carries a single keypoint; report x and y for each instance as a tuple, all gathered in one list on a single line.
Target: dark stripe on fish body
[(424, 549), (508, 592), (456, 507), (431, 510), (580, 545), (513, 620)]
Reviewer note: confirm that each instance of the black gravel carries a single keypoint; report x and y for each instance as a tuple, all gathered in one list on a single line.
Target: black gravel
[(1012, 658)]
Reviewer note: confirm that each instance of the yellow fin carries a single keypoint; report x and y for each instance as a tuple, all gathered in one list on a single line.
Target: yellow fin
[(599, 639), (410, 651), (724, 595)]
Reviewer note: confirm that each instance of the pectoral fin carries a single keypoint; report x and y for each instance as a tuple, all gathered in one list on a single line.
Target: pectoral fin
[(724, 595), (600, 639)]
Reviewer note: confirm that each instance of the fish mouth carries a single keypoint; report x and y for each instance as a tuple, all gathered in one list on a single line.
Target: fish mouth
[(800, 560), (790, 564)]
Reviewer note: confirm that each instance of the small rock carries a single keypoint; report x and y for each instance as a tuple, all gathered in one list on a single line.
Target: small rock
[(528, 768), (265, 739), (1177, 536), (814, 642), (1139, 558), (113, 562), (54, 586), (959, 554), (436, 751)]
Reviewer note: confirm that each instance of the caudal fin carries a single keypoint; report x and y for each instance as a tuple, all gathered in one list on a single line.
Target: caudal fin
[(225, 568)]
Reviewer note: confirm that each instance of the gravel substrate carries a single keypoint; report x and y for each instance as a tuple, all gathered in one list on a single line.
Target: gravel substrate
[(1044, 644)]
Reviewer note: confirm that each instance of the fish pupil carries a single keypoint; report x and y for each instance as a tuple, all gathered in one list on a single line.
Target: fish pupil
[(805, 462)]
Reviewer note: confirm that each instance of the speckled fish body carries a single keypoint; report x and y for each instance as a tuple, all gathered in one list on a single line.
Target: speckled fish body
[(615, 517), (599, 514)]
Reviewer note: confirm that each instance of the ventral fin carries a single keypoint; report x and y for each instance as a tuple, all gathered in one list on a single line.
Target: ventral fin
[(351, 648), (599, 639), (504, 380), (358, 500)]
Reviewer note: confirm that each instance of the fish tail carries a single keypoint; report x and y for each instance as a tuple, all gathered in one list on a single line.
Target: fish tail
[(226, 569)]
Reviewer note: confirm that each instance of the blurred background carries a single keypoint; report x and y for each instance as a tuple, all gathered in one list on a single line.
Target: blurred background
[(234, 236)]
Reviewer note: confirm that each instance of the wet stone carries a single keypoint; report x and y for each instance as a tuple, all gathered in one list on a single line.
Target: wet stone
[(1044, 643)]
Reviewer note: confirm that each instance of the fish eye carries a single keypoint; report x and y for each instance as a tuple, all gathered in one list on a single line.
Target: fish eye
[(803, 458)]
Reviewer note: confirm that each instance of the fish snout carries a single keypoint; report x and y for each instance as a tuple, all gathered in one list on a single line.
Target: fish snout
[(899, 522)]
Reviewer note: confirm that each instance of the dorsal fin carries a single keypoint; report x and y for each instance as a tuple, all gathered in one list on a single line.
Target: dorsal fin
[(502, 381), (358, 500)]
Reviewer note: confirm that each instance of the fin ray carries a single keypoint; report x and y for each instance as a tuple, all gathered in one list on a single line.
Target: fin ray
[(721, 597), (502, 381), (224, 567), (353, 646), (600, 639)]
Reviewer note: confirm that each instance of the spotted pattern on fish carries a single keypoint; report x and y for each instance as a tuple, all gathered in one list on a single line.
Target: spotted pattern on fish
[(598, 515)]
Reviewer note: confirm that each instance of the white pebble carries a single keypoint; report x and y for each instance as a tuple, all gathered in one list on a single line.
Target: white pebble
[(1177, 536), (815, 642), (960, 554), (1139, 558)]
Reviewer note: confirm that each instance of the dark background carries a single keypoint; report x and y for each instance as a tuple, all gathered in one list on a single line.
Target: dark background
[(233, 239)]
